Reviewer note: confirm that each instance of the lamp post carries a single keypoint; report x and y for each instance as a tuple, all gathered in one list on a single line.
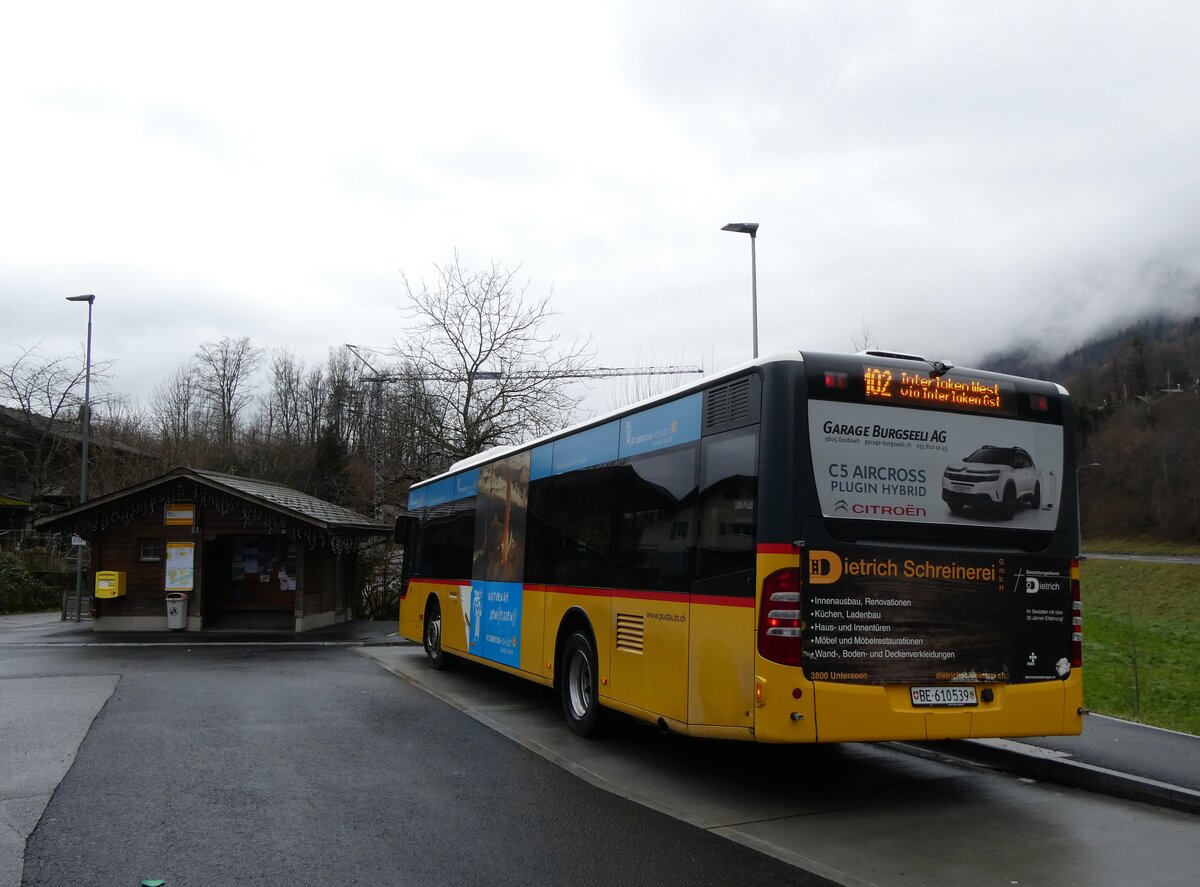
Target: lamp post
[(83, 467), (750, 228)]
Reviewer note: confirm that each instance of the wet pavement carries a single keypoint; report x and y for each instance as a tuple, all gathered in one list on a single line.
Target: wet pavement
[(1114, 758), (48, 628), (1123, 752)]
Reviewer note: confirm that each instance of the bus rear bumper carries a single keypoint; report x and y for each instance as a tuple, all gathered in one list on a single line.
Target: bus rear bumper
[(872, 713)]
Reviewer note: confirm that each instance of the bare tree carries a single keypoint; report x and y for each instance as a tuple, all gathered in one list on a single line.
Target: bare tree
[(313, 397), (863, 339), (284, 404), (124, 451), (177, 418), (39, 431), (492, 372), (223, 378)]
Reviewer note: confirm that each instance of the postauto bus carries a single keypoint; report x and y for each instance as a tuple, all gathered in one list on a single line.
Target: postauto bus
[(790, 551)]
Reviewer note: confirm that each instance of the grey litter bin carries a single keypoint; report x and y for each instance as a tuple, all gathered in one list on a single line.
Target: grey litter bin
[(177, 611)]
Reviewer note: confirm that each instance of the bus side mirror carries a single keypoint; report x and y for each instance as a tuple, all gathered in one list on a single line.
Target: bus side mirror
[(406, 528)]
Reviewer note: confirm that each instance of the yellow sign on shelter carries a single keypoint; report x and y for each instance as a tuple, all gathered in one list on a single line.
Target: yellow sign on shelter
[(179, 514)]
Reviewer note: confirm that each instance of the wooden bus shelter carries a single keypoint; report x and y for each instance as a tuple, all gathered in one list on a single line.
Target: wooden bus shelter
[(232, 553)]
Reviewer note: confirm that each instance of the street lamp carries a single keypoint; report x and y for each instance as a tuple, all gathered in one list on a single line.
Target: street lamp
[(750, 228), (83, 467)]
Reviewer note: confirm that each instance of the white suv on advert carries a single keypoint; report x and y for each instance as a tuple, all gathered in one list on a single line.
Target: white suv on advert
[(993, 477)]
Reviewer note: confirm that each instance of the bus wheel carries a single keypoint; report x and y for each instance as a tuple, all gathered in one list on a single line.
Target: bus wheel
[(438, 658), (579, 685)]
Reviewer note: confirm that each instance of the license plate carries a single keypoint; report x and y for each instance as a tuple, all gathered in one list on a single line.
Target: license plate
[(943, 696)]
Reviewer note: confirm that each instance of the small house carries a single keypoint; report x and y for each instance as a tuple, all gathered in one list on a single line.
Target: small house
[(231, 552)]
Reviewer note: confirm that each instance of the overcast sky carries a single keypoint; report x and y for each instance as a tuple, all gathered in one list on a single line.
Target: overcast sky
[(955, 176)]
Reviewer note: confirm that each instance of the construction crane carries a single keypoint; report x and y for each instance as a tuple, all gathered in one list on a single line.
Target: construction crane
[(378, 379), (492, 375)]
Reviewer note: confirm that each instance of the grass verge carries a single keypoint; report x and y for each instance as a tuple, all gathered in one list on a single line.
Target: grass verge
[(1141, 642)]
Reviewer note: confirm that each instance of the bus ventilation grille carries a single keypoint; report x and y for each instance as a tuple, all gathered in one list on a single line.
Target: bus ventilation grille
[(732, 405), (631, 632)]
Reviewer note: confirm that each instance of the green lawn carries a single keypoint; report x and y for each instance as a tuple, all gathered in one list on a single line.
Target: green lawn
[(1141, 642)]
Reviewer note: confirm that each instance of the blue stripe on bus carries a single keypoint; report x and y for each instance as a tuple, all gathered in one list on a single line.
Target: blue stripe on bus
[(466, 484), (416, 499), (541, 462), (665, 426), (656, 429), (448, 489), (592, 447)]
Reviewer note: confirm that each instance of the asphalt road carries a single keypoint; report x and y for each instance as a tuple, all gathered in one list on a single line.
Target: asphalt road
[(220, 765), (1146, 558), (207, 760), (1124, 747)]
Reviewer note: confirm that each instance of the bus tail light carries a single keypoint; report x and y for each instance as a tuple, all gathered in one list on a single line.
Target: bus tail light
[(1076, 618), (779, 624), (837, 381)]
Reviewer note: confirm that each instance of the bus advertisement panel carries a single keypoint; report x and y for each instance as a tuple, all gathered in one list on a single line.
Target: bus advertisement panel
[(877, 616), (917, 465), (493, 614)]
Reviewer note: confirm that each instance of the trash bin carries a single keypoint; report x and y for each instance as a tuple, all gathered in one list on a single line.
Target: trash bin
[(177, 606)]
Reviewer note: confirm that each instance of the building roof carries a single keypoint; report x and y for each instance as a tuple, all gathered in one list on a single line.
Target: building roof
[(318, 511), (270, 497)]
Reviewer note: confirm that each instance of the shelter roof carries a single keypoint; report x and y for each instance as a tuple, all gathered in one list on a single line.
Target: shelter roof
[(264, 496)]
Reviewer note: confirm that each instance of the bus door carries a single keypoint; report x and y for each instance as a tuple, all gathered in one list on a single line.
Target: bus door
[(728, 562)]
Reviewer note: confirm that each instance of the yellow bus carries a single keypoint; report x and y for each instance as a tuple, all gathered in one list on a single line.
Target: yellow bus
[(807, 548)]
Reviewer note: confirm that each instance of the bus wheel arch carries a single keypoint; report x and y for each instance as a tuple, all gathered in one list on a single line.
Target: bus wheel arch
[(431, 635), (577, 674)]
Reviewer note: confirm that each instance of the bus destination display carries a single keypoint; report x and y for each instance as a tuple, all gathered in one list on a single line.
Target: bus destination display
[(957, 392)]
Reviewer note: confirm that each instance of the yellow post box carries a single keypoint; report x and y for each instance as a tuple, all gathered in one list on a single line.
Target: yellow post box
[(110, 583)]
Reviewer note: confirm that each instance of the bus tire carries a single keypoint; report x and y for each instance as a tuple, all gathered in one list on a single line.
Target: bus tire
[(438, 658), (579, 684)]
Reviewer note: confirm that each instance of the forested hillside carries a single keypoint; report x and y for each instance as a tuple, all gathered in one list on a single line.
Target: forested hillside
[(1137, 411)]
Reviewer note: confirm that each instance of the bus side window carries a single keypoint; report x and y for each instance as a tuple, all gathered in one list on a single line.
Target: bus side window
[(583, 515), (656, 520), (728, 530), (540, 533), (447, 540)]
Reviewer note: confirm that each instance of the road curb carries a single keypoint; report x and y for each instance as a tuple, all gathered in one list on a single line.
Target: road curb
[(1047, 766)]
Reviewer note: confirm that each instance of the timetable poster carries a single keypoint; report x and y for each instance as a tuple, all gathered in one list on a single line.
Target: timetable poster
[(180, 566)]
